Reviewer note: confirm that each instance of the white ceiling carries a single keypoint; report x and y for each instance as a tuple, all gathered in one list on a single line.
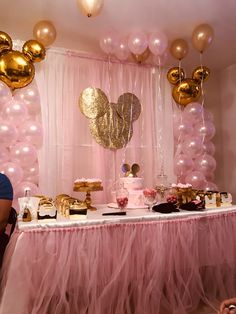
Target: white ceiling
[(176, 18)]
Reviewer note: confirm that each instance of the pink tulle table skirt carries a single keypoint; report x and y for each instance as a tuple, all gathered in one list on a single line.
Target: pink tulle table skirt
[(126, 267)]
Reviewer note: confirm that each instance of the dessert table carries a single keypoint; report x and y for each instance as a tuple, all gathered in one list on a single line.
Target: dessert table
[(140, 263)]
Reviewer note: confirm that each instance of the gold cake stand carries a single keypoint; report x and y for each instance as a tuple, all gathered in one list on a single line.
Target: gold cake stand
[(88, 191)]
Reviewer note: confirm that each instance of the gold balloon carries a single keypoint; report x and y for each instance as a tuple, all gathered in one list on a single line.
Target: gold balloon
[(45, 32), (15, 69), (201, 74), (175, 74), (202, 37), (34, 50), (179, 48), (142, 57), (90, 8), (5, 42), (186, 91)]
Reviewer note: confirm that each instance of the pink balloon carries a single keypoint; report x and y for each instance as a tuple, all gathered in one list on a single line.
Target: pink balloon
[(192, 146), (209, 148), (137, 42), (31, 170), (196, 178), (205, 130), (13, 171), (122, 50), (22, 186), (4, 154), (109, 42), (205, 163), (15, 112), (32, 132), (160, 60), (182, 128), (158, 43), (193, 112), (24, 153), (30, 96), (8, 133), (5, 94), (208, 115), (210, 176), (182, 164), (34, 179), (210, 186)]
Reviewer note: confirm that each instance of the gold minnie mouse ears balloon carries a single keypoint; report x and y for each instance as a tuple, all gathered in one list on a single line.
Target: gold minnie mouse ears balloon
[(16, 68), (5, 42), (201, 74), (175, 74), (186, 92)]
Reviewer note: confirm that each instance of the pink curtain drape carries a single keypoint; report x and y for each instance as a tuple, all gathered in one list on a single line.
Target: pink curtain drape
[(69, 151)]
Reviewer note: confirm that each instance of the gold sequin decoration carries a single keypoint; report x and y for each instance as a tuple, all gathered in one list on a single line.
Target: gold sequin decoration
[(110, 130), (129, 107), (93, 102), (110, 124)]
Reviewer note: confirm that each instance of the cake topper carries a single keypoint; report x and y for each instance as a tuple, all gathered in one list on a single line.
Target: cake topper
[(130, 172)]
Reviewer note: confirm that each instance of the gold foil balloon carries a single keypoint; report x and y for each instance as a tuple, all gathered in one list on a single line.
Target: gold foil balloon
[(90, 8), (186, 91), (110, 123), (34, 50), (179, 48), (15, 69), (45, 32), (175, 74), (202, 37), (142, 57), (201, 74), (5, 42)]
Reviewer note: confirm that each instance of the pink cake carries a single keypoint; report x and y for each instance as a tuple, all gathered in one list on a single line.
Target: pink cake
[(134, 185)]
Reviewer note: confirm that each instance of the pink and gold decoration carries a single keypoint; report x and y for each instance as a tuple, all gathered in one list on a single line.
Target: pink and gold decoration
[(110, 123)]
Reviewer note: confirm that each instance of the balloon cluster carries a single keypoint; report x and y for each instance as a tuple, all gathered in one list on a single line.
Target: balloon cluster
[(138, 44), (17, 68), (187, 90), (202, 37), (194, 162), (20, 135)]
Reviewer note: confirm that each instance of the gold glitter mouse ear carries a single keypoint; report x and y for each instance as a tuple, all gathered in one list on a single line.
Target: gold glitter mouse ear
[(110, 130), (93, 102), (128, 107)]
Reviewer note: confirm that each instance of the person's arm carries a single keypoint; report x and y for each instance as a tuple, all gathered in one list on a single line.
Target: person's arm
[(5, 208), (225, 306)]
